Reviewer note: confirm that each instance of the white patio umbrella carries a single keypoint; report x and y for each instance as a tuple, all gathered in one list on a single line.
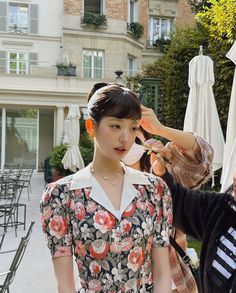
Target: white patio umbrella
[(229, 165), (72, 159), (201, 114)]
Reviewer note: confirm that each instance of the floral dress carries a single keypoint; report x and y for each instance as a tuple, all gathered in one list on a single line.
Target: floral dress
[(112, 251)]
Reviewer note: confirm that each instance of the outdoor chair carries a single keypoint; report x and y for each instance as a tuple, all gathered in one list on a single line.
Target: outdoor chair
[(11, 207), (11, 171), (25, 176), (7, 220), (19, 253)]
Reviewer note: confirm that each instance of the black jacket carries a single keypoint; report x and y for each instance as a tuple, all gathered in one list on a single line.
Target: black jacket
[(205, 216)]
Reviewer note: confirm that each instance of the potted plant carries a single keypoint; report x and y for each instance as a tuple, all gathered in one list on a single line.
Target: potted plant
[(162, 44), (55, 161), (136, 29), (94, 19), (66, 69)]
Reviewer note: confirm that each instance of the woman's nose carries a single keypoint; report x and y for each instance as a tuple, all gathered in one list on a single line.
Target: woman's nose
[(124, 136)]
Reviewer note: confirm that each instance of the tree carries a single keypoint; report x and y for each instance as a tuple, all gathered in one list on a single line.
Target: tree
[(198, 5), (219, 19)]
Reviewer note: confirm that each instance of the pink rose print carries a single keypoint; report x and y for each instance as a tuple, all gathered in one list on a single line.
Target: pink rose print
[(115, 247), (141, 205), (99, 249), (62, 251), (129, 211), (80, 248), (58, 226), (79, 211), (126, 244), (47, 212), (95, 286), (151, 209), (91, 206), (94, 267), (126, 226), (135, 258), (103, 221)]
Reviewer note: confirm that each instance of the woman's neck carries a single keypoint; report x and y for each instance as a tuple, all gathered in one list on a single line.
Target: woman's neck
[(106, 166)]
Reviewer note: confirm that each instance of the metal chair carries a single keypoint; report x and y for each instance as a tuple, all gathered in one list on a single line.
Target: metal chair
[(10, 274), (11, 171), (11, 207), (25, 175)]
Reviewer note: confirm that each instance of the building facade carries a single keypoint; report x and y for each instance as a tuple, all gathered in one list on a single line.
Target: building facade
[(101, 40)]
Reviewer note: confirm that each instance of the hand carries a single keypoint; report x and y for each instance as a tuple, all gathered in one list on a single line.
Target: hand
[(159, 156), (150, 122)]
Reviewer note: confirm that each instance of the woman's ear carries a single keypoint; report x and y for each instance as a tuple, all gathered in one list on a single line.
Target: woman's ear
[(89, 124)]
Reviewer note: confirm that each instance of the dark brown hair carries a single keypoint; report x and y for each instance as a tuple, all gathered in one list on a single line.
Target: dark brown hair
[(115, 101)]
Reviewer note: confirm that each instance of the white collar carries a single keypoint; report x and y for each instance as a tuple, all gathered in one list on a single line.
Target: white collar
[(84, 178)]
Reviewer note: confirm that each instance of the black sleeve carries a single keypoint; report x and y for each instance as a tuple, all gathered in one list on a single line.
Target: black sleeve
[(192, 209)]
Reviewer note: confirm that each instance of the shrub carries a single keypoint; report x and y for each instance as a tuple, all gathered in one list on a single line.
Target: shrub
[(95, 19), (136, 28)]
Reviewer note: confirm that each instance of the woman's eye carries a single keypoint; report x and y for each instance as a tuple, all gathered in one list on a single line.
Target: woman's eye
[(134, 129), (115, 126)]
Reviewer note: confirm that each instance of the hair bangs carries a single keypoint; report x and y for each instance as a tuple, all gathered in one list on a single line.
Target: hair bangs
[(126, 107), (117, 102)]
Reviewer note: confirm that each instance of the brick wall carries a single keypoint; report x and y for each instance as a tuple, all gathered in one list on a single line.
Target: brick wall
[(184, 15), (73, 7)]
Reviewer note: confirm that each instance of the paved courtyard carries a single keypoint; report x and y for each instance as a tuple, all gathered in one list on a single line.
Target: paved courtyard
[(35, 273)]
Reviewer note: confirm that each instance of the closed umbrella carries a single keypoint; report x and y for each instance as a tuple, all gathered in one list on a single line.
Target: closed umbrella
[(201, 114), (72, 159), (229, 165)]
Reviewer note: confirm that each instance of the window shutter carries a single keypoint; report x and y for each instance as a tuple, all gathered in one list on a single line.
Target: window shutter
[(34, 18), (3, 61), (33, 60), (3, 16)]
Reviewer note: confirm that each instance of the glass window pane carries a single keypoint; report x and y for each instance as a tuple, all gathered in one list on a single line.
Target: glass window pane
[(21, 136), (131, 11), (156, 29), (93, 6), (13, 10), (97, 73), (87, 64), (24, 16), (164, 28)]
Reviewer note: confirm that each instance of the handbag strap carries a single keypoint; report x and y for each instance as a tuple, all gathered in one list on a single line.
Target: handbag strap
[(186, 259)]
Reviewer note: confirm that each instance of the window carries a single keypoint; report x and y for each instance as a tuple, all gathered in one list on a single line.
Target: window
[(93, 64), (132, 65), (18, 17), (160, 28), (94, 6), (133, 11), (17, 63)]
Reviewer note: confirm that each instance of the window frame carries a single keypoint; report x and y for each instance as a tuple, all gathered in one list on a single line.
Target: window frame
[(134, 65), (151, 30), (92, 68), (135, 12), (19, 27), (18, 61), (102, 7)]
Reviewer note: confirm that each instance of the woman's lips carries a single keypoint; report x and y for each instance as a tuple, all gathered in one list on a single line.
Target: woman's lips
[(120, 151)]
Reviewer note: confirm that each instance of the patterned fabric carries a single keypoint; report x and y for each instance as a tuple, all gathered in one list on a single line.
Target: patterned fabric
[(191, 168), (112, 255)]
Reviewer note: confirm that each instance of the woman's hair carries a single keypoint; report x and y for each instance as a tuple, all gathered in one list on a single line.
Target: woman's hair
[(113, 100), (144, 162)]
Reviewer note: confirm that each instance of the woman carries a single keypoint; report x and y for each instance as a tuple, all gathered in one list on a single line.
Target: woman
[(211, 218), (115, 220), (190, 158)]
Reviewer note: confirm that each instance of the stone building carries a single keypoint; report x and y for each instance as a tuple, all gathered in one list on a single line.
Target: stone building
[(40, 46)]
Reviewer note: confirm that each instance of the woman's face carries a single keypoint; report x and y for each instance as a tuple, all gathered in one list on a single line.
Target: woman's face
[(114, 137)]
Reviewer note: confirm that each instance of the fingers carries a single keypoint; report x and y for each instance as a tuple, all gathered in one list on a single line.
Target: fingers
[(158, 148), (158, 164)]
